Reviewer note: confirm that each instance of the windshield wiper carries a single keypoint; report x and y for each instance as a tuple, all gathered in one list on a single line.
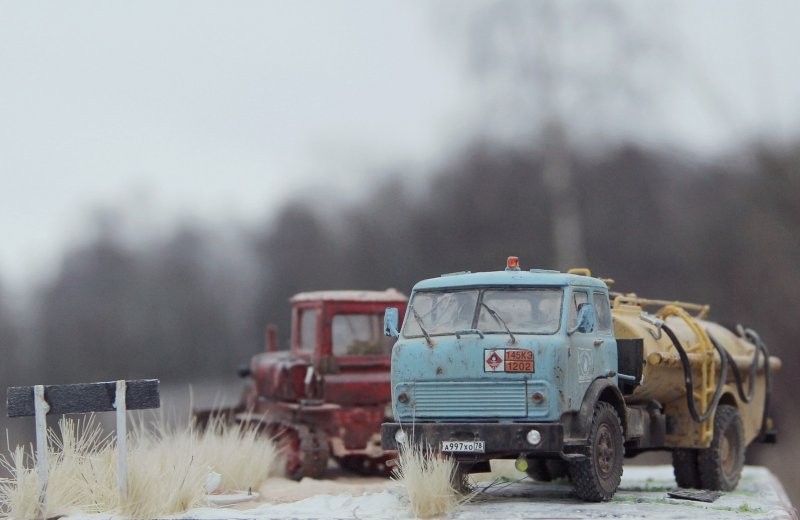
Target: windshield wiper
[(421, 327), (499, 320)]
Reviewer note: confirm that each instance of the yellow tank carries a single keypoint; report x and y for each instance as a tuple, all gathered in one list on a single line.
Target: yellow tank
[(663, 377)]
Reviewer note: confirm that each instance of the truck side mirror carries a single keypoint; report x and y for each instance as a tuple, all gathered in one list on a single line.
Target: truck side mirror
[(587, 320), (390, 321)]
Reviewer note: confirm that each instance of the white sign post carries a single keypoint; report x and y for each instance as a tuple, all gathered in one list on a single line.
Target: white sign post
[(41, 408), (122, 440)]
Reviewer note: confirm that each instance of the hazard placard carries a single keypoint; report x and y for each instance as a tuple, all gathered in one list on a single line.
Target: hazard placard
[(494, 360), (508, 360)]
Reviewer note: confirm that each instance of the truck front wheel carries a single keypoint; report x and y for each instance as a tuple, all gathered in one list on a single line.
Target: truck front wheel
[(721, 464), (459, 478), (598, 475)]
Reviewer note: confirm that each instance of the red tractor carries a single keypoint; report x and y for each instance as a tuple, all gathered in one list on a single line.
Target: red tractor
[(327, 395)]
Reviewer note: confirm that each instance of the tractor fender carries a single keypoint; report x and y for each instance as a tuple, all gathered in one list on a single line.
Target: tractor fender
[(577, 424)]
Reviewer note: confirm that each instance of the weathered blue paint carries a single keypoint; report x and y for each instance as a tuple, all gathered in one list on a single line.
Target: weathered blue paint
[(534, 277), (390, 321), (448, 379)]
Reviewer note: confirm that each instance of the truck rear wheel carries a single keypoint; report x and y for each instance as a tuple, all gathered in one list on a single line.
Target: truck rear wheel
[(684, 464), (597, 476), (721, 463)]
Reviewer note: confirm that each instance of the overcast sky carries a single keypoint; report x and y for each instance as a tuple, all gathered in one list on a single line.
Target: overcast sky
[(226, 108)]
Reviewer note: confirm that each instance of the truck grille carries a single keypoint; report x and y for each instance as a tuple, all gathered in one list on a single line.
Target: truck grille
[(468, 399)]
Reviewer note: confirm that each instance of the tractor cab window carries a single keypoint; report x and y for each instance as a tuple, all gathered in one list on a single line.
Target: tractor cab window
[(308, 329), (359, 335)]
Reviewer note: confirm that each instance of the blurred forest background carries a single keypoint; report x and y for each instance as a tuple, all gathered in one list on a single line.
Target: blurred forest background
[(190, 305)]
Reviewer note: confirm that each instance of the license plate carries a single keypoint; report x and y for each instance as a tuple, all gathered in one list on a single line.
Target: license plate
[(464, 446)]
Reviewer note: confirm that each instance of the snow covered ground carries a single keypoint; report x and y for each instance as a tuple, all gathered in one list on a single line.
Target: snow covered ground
[(642, 494)]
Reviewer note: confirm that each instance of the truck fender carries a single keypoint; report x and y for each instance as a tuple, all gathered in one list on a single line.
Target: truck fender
[(577, 425)]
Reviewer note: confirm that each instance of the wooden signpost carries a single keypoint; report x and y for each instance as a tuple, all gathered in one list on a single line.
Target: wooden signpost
[(119, 396)]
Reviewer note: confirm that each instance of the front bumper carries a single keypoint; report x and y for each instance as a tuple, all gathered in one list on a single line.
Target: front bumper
[(502, 439)]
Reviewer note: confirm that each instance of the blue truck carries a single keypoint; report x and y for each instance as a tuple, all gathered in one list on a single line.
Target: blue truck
[(556, 372)]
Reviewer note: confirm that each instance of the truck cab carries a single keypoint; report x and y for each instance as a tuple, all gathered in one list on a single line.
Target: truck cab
[(468, 335), (504, 364), (517, 350)]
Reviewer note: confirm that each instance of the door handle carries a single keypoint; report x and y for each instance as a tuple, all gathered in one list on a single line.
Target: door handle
[(598, 342)]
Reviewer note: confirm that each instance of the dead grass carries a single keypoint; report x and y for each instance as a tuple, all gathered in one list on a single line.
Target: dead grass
[(167, 470), (240, 453), (428, 479), (19, 493)]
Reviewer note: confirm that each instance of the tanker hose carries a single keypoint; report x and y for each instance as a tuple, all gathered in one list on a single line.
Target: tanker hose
[(755, 339), (689, 379), (760, 350)]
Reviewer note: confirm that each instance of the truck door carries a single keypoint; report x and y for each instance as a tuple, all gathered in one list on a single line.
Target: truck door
[(605, 346), (582, 361)]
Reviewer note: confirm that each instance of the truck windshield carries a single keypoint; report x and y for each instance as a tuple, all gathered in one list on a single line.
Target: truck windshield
[(523, 311)]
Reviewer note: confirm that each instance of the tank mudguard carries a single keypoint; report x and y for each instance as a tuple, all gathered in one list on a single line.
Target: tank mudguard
[(577, 425)]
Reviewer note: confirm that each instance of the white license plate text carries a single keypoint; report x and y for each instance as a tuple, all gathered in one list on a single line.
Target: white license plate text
[(464, 446)]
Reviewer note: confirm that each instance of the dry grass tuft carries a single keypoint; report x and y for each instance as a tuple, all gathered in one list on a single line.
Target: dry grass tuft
[(67, 459), (167, 470), (165, 473), (72, 480), (239, 452), (429, 480), (19, 493)]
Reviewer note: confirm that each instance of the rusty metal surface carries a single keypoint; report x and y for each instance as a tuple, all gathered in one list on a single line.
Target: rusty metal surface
[(341, 398), (387, 296)]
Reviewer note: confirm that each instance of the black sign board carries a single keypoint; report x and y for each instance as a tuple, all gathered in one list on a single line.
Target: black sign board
[(84, 397)]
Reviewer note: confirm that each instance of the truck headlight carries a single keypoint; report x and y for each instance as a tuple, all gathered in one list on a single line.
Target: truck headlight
[(400, 437), (533, 437)]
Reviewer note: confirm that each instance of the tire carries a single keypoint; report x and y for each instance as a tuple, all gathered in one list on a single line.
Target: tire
[(546, 470), (459, 479), (721, 463), (684, 463), (305, 451), (597, 477)]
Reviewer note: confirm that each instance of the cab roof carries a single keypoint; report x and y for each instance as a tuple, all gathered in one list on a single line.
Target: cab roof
[(509, 278), (389, 295)]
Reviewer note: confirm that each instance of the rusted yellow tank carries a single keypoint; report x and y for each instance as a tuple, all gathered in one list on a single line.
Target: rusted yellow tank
[(664, 378)]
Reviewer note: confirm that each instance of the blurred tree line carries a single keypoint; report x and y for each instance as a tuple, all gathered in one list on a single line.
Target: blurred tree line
[(192, 305)]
